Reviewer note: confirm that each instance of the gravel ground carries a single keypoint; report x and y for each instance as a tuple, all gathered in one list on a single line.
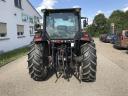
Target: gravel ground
[(112, 78)]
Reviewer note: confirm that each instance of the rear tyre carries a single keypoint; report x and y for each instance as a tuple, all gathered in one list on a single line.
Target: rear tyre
[(88, 63), (37, 62)]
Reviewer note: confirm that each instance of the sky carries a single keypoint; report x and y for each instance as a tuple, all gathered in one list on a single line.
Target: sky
[(90, 8)]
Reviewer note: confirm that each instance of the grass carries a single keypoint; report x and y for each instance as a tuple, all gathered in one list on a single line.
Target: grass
[(10, 56)]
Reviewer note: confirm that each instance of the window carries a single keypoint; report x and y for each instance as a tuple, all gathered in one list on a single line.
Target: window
[(17, 3), (31, 20), (3, 0), (36, 19), (31, 30), (24, 17), (20, 30), (3, 29), (62, 25), (126, 33)]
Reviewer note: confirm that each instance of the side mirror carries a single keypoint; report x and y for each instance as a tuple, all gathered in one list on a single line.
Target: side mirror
[(85, 22), (37, 27)]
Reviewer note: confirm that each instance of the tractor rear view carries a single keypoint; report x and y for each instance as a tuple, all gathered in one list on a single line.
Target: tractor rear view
[(62, 46)]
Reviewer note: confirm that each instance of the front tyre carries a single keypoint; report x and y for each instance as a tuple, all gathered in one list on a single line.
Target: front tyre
[(37, 62), (88, 63)]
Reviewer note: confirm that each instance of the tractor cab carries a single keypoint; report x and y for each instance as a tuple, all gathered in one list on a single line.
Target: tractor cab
[(62, 23)]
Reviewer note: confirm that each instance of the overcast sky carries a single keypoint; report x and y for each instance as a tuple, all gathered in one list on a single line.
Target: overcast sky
[(89, 7)]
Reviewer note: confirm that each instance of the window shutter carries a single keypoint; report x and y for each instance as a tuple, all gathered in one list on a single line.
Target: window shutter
[(3, 28), (20, 28)]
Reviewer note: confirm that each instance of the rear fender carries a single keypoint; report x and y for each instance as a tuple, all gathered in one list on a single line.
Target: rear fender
[(38, 37), (86, 37)]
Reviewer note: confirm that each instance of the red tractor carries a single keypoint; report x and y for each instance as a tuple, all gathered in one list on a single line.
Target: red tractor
[(62, 46)]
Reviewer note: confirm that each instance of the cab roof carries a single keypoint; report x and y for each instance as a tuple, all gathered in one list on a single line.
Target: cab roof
[(62, 10)]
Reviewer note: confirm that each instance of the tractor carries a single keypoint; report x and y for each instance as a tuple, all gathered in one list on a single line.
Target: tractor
[(62, 46)]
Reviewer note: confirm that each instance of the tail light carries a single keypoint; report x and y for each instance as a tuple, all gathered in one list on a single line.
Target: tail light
[(38, 37)]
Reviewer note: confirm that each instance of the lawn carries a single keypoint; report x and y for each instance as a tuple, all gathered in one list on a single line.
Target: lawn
[(10, 56)]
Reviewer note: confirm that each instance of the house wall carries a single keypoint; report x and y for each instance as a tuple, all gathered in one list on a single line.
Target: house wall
[(12, 16)]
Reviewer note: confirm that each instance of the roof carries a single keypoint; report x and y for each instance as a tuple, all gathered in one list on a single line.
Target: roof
[(34, 8), (62, 10)]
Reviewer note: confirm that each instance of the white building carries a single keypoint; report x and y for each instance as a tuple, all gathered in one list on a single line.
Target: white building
[(17, 18)]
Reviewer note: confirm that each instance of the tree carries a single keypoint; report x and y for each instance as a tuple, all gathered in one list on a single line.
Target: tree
[(91, 29), (103, 25), (126, 20), (118, 18), (100, 25)]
